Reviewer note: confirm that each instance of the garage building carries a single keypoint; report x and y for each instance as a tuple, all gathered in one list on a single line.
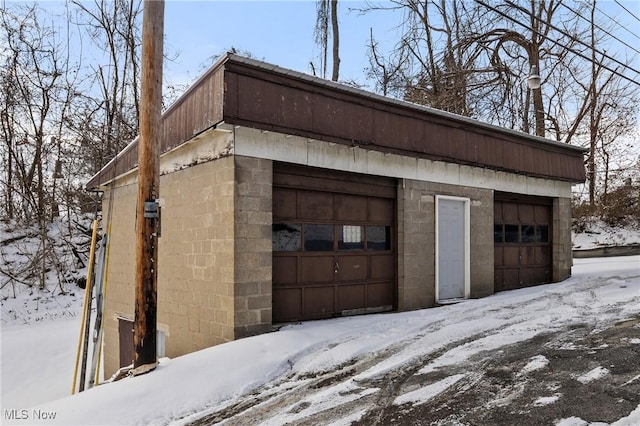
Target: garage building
[(286, 197)]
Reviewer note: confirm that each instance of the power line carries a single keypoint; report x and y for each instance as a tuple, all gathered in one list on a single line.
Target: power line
[(628, 11), (618, 24), (600, 28), (559, 44), (573, 38)]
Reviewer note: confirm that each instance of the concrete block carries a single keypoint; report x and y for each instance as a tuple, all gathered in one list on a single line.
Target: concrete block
[(259, 302)]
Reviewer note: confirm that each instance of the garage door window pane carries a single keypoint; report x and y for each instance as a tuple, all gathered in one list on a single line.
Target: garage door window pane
[(542, 234), (286, 237), (379, 237), (498, 233), (511, 233), (528, 233), (318, 237), (350, 237)]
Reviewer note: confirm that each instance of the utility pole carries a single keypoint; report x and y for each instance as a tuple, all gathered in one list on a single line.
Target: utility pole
[(593, 122), (147, 212)]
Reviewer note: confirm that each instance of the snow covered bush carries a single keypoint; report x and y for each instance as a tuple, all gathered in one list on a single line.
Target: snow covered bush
[(617, 208), (622, 206), (39, 280)]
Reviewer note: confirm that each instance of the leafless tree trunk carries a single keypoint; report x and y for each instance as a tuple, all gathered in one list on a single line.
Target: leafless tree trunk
[(321, 34), (8, 106), (111, 121), (335, 36), (593, 131), (327, 11)]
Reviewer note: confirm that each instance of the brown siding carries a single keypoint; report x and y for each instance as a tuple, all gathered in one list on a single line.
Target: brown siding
[(196, 111), (254, 94), (278, 102), (294, 176)]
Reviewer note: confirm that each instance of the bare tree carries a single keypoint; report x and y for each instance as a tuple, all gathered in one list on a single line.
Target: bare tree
[(433, 57), (35, 102), (8, 106), (387, 73), (525, 38), (110, 120), (473, 58), (327, 11), (602, 109)]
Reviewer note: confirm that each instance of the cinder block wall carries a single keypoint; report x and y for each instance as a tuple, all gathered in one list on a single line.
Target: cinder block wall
[(561, 251), (252, 252), (417, 239), (416, 246), (196, 260), (214, 256), (119, 299), (196, 255)]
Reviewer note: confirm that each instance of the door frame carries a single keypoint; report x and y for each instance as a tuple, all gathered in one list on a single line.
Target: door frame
[(467, 243)]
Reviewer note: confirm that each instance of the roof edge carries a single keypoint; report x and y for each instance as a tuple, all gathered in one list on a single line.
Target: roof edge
[(229, 56), (338, 87), (213, 68)]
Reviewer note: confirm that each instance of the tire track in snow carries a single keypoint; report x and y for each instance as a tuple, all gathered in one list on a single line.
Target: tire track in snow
[(261, 406), (369, 382)]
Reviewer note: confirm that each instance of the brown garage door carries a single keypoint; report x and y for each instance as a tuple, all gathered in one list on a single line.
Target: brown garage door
[(333, 244), (522, 237)]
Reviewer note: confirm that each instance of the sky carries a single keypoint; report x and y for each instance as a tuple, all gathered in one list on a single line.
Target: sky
[(282, 33), (278, 32)]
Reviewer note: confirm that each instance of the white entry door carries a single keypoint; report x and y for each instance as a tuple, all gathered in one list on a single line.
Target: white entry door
[(452, 248)]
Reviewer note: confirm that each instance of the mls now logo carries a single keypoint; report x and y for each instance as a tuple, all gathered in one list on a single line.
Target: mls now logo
[(16, 414)]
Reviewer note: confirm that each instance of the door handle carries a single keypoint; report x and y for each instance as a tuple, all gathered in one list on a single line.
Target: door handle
[(337, 267)]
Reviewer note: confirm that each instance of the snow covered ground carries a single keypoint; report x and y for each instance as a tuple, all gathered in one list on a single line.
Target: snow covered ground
[(38, 361), (599, 234), (39, 327), (339, 371)]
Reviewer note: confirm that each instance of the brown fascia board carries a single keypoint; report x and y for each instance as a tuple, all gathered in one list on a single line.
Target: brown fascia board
[(109, 171), (236, 63), (435, 113), (239, 68)]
